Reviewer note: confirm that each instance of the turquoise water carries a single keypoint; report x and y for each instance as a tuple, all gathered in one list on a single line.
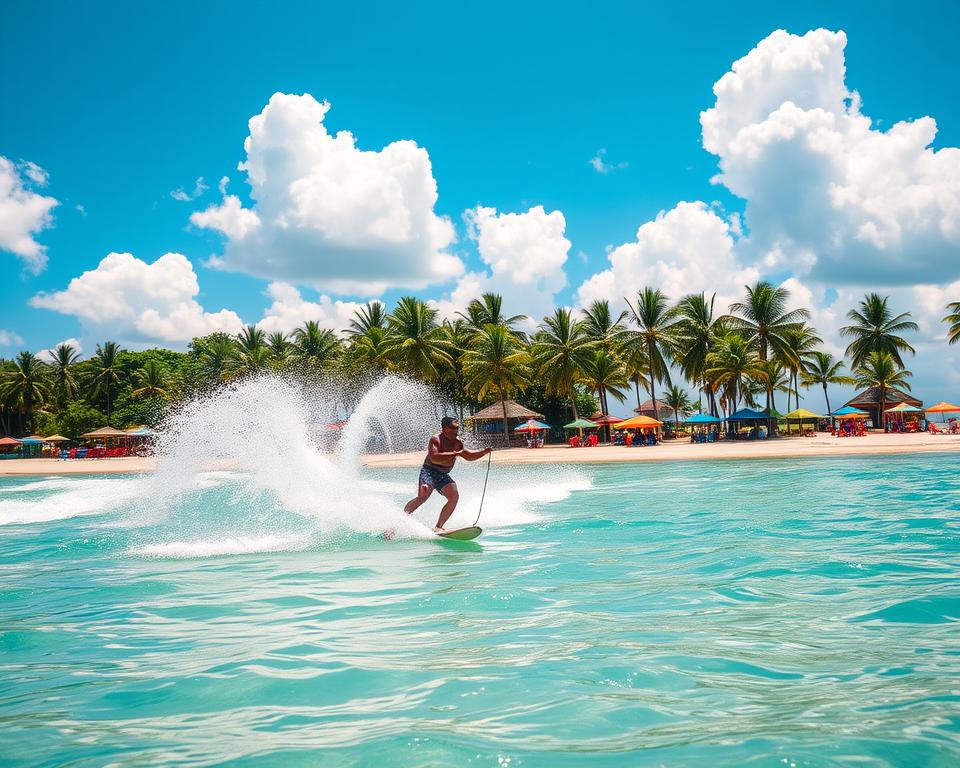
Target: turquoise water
[(777, 613)]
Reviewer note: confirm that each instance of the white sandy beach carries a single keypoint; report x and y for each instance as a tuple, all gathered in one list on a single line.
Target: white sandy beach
[(680, 450)]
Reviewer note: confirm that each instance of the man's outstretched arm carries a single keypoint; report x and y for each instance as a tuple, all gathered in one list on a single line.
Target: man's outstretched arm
[(474, 455)]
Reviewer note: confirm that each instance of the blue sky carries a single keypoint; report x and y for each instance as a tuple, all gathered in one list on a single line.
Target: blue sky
[(122, 105)]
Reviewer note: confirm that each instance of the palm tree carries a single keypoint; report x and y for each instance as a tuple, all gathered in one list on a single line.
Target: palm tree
[(603, 327), (875, 329), (765, 320), (678, 399), (635, 362), (215, 357), (820, 368), (880, 369), (605, 373), (659, 327), (562, 351), (697, 334), (106, 370), (314, 349), (488, 310), (459, 335), (369, 316), (953, 318), (61, 376), (775, 379), (732, 362), (152, 380), (415, 344), (799, 344), (24, 387), (279, 347), (496, 362)]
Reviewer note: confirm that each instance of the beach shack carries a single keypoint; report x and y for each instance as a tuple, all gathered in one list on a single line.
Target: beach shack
[(748, 424), (487, 424), (869, 402), (664, 411)]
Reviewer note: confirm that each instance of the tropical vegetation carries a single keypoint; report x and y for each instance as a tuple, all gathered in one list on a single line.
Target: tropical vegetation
[(567, 364)]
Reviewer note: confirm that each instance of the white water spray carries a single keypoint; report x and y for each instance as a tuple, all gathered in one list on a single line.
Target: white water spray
[(259, 466)]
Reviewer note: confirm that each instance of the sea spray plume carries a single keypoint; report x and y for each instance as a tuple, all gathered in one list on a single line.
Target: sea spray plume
[(274, 486)]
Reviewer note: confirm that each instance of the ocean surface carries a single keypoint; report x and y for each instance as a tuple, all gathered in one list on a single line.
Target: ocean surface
[(762, 613)]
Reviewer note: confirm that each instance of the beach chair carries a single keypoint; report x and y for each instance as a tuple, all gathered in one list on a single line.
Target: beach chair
[(64, 453), (933, 429), (82, 453)]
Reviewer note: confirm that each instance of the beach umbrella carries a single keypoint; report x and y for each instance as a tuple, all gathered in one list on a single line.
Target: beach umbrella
[(105, 432), (531, 425), (801, 415), (703, 418), (639, 422), (580, 424), (56, 439), (943, 407), (8, 442), (606, 420), (848, 412)]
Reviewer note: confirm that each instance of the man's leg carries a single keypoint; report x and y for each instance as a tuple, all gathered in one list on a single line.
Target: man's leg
[(423, 493), (452, 495)]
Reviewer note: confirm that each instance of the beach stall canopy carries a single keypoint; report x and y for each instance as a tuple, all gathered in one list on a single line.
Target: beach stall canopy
[(579, 424), (703, 418), (943, 407), (7, 442), (532, 425), (141, 432), (606, 419), (639, 422), (802, 414), (905, 408), (56, 439), (747, 414), (850, 413), (106, 432)]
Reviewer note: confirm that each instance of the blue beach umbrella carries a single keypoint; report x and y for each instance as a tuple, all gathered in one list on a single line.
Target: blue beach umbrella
[(703, 418)]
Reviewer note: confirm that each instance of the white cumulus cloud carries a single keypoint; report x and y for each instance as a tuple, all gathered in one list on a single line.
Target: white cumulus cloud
[(9, 339), (199, 187), (827, 194), (329, 214), (128, 299), (290, 310), (525, 254), (23, 212), (687, 249)]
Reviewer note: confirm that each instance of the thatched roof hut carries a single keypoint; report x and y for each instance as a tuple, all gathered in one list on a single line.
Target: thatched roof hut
[(664, 411), (514, 411), (488, 423), (869, 401)]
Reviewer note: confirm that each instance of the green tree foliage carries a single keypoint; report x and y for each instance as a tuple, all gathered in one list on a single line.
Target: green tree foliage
[(874, 328)]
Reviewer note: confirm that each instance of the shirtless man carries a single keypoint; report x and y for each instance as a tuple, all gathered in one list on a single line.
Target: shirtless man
[(442, 453)]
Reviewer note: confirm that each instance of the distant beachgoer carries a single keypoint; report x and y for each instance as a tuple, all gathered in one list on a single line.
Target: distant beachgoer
[(442, 452)]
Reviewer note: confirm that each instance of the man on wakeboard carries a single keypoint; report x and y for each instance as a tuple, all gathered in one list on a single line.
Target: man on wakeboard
[(442, 452)]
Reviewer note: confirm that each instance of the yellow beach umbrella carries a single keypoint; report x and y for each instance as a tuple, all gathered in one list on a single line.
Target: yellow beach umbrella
[(639, 422)]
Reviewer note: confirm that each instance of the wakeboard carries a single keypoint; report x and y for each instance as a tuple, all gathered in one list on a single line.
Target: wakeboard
[(461, 534)]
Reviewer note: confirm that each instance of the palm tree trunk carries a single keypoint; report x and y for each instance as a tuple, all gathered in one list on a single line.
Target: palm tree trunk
[(573, 401), (653, 387), (883, 402), (636, 382), (503, 406)]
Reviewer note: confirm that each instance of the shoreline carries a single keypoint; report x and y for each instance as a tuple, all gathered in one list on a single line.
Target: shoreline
[(822, 445)]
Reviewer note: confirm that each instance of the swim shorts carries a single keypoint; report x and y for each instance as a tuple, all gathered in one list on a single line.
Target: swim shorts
[(434, 477)]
